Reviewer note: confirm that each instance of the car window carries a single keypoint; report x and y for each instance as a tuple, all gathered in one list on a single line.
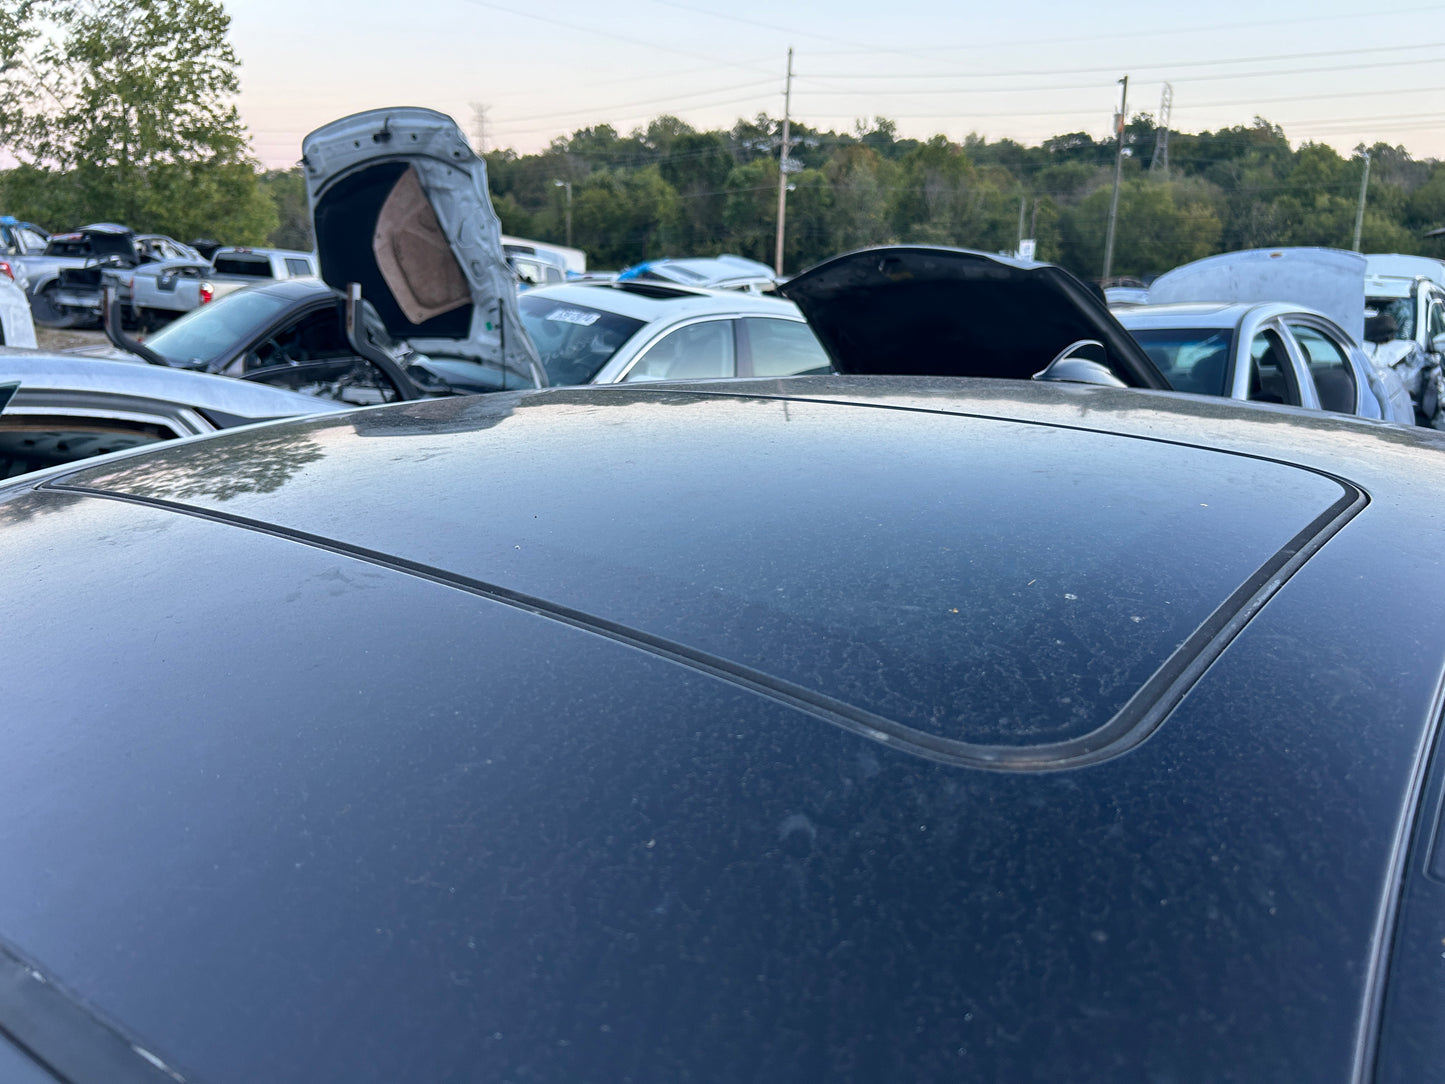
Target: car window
[(574, 341), (35, 441), (1271, 377), (1329, 368), (203, 335), (255, 267), (694, 352), (296, 266), (317, 336), (1192, 359), (784, 347), (1388, 318)]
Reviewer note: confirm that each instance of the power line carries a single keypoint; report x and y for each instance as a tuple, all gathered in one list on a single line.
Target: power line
[(646, 101), (710, 59), (1173, 32), (1171, 66)]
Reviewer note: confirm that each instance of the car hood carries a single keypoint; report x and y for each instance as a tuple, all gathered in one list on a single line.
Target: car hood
[(1329, 280), (924, 311), (399, 205)]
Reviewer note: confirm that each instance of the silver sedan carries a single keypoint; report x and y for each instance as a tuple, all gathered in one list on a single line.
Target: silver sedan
[(1271, 352)]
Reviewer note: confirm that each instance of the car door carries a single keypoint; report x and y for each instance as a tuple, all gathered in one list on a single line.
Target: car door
[(1434, 320), (697, 350), (1268, 371), (1326, 356)]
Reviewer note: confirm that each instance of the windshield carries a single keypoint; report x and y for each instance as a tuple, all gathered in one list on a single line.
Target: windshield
[(203, 335), (1194, 359), (1388, 318), (574, 341)]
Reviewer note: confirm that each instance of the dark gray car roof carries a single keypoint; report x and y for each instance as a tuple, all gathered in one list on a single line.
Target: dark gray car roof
[(589, 734)]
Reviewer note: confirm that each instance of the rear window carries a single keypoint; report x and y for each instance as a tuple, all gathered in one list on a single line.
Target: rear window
[(574, 341), (1194, 359), (80, 247), (250, 266)]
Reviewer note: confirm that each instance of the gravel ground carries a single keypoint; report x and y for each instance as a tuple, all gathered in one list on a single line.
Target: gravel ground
[(49, 338)]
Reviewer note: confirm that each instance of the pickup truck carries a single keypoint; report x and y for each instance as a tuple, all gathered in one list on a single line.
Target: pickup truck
[(160, 292), (65, 281)]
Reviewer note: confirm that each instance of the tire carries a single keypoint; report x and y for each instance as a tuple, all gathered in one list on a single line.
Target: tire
[(47, 312)]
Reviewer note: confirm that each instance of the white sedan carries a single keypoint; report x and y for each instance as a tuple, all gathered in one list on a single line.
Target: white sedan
[(611, 332)]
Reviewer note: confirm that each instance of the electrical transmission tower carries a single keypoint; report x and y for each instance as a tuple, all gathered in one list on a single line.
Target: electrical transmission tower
[(479, 126), (1160, 164)]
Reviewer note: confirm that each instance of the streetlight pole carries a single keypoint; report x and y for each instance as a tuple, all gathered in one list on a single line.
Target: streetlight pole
[(1118, 172), (783, 164), (567, 185)]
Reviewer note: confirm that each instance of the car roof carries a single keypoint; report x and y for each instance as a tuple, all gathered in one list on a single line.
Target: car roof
[(248, 250), (510, 737), (218, 395), (1202, 313), (649, 301)]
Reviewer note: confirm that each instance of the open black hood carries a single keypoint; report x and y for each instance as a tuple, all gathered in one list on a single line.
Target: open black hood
[(923, 311)]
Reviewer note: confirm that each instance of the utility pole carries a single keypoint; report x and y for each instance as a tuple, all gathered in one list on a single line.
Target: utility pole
[(783, 163), (1360, 210), (1023, 205), (1118, 173), (567, 186)]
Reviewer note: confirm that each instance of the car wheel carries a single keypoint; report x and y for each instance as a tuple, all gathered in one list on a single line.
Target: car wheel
[(47, 312)]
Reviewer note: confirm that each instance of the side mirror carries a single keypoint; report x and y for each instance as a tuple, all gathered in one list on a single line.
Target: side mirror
[(1080, 362)]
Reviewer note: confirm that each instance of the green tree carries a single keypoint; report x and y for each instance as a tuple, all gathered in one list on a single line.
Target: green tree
[(1161, 224), (862, 182), (131, 103), (622, 217), (697, 167), (286, 189), (750, 213)]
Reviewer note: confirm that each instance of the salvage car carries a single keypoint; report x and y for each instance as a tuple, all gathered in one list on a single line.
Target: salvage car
[(400, 209), (1267, 353), (1405, 325), (923, 310), (157, 293), (608, 332), (1289, 322), (706, 272), (17, 326), (829, 728), (67, 280), (293, 334), (59, 408)]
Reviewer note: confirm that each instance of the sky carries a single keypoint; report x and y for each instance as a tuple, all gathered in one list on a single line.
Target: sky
[(1327, 71)]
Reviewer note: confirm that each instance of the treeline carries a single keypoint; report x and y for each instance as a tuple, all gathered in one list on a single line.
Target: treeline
[(671, 190)]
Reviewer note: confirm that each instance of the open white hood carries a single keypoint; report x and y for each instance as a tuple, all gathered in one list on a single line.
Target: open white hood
[(399, 204)]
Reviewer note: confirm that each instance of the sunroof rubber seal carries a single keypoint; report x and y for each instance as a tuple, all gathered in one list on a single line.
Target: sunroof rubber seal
[(60, 1032), (1140, 716)]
